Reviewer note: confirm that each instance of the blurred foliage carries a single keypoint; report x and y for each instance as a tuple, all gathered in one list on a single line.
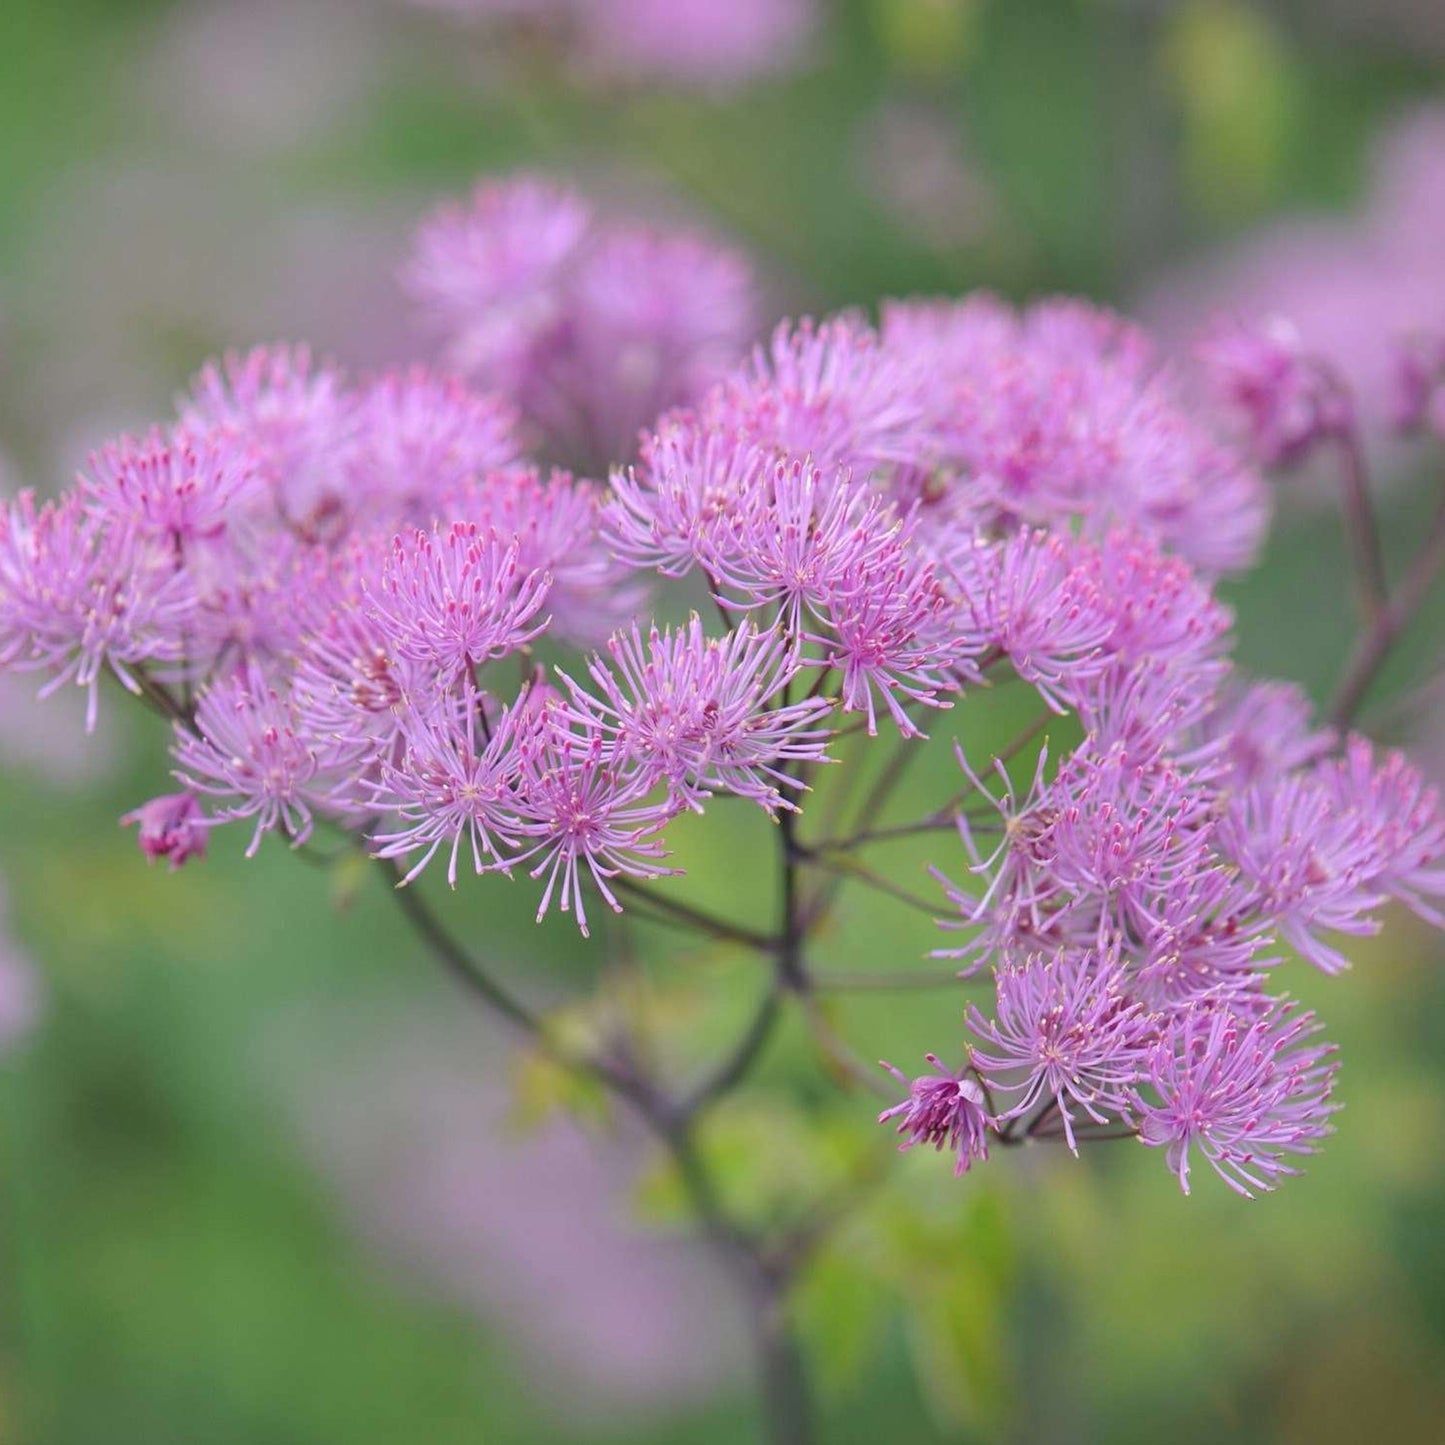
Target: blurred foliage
[(173, 1268)]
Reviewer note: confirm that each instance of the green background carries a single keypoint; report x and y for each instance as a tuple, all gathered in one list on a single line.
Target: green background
[(175, 1263)]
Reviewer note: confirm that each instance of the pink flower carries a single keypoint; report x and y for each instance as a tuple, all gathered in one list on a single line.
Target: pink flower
[(1245, 1086), (679, 506), (457, 597), (182, 488), (1286, 401), (249, 751), (295, 419), (1066, 1036), (454, 779), (172, 827), (944, 1109), (831, 392), (590, 328), (589, 819), (79, 597), (704, 714), (414, 436)]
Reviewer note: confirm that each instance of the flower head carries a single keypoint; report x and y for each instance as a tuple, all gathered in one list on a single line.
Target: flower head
[(250, 751), (1245, 1086), (458, 596), (415, 436), (1286, 401), (581, 816), (79, 596), (704, 714), (293, 416), (590, 328), (1066, 1035), (181, 488), (944, 1109), (171, 827)]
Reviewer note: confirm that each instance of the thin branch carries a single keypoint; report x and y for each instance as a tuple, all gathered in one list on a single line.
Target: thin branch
[(944, 818), (851, 868), (1361, 528), (844, 1059), (463, 967), (697, 918), (733, 1069), (162, 700), (792, 927), (1375, 646)]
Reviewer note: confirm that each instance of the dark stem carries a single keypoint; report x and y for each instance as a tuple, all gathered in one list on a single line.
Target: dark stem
[(460, 964), (852, 869), (733, 1069), (163, 701), (787, 1403), (783, 1378), (1361, 529), (1398, 612), (697, 918), (792, 973)]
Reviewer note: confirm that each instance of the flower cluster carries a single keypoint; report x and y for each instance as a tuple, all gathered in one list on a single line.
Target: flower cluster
[(335, 590), (592, 328)]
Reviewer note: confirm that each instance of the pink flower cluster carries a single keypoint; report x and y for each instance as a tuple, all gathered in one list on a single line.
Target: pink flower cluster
[(335, 590), (592, 328)]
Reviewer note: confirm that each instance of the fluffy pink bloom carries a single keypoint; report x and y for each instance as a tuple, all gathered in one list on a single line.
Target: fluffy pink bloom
[(1285, 401), (944, 1109), (1120, 834), (415, 435), (1062, 414), (79, 597), (1266, 730), (800, 538), (557, 521), (1246, 1087), (1352, 286), (896, 634), (458, 597), (1389, 801), (591, 328), (655, 317), (1200, 940), (1030, 600), (171, 827), (681, 505), (1066, 1036), (1313, 867), (704, 714), (1155, 605), (829, 391), (586, 818), (182, 488), (453, 780), (295, 418), (249, 752), (490, 271)]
